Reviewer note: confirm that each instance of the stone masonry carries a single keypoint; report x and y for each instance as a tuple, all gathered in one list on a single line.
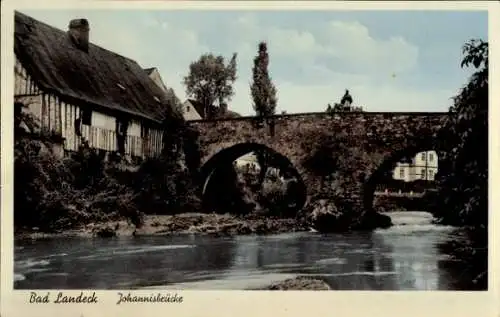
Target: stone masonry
[(332, 152)]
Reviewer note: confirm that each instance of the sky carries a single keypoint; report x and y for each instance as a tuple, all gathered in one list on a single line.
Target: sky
[(389, 60)]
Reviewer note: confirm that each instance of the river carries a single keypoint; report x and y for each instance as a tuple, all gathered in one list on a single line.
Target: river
[(403, 257)]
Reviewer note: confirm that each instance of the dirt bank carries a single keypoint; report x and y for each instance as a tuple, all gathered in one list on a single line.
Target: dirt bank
[(214, 224)]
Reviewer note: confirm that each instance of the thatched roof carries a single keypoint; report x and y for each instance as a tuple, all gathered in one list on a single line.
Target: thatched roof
[(97, 78)]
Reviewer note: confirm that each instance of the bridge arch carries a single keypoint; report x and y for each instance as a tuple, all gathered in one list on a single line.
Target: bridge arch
[(366, 141), (224, 158), (390, 160)]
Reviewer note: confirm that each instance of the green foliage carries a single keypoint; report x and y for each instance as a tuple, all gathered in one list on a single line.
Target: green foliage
[(210, 81), (337, 107), (465, 188), (462, 197), (262, 89), (476, 54), (275, 197), (55, 194), (192, 149), (163, 186)]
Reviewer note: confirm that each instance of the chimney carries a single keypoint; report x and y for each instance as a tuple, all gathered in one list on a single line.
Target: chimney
[(79, 33)]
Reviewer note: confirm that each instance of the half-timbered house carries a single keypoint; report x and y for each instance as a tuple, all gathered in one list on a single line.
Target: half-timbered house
[(85, 94)]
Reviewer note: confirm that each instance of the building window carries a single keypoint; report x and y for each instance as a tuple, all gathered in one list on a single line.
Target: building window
[(423, 174), (401, 173), (423, 156), (87, 117), (431, 174), (431, 157), (187, 109)]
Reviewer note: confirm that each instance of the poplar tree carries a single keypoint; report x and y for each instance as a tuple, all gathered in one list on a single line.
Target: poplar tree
[(262, 89)]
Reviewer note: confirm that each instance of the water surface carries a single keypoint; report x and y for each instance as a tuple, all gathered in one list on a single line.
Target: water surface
[(403, 257)]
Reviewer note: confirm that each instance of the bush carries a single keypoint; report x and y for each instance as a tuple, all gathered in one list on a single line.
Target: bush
[(272, 197), (55, 194), (164, 187)]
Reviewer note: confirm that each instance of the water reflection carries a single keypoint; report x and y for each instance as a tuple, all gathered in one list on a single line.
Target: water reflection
[(404, 257), (119, 263)]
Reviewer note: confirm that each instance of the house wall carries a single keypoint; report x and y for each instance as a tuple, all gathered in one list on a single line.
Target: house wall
[(247, 160), (424, 166), (26, 91), (58, 117), (189, 111), (154, 143), (402, 172), (156, 78)]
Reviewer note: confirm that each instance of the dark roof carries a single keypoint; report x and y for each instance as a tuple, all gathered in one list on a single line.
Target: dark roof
[(198, 106), (94, 78), (218, 115)]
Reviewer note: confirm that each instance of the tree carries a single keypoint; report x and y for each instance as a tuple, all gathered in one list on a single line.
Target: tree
[(467, 144), (462, 197), (210, 81), (262, 89)]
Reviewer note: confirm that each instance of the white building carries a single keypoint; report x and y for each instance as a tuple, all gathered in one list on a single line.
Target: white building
[(189, 111), (248, 160), (424, 166)]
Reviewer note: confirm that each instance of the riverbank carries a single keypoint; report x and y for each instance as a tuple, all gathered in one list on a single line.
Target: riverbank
[(186, 223)]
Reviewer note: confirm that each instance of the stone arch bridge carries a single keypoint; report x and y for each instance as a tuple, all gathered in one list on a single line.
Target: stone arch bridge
[(340, 155)]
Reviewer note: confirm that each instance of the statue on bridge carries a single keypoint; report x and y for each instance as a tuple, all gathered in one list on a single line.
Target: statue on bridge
[(345, 104), (346, 100)]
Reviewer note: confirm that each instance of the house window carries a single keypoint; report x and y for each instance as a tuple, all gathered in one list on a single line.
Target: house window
[(187, 109), (423, 174), (87, 117), (431, 174), (431, 157), (401, 173), (423, 156)]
